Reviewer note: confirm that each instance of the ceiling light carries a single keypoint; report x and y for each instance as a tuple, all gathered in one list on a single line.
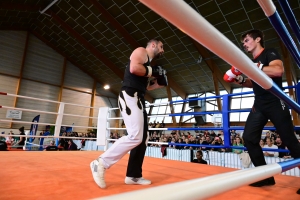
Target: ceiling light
[(106, 87)]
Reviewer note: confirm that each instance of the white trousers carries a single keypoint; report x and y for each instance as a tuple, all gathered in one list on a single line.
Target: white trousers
[(132, 113)]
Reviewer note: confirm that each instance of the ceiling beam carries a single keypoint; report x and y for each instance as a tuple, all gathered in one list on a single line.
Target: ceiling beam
[(133, 42), (115, 24), (217, 90), (177, 88), (212, 65), (171, 105)]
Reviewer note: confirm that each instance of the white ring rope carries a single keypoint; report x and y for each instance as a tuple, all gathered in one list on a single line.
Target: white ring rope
[(47, 136), (29, 110), (25, 122), (201, 188)]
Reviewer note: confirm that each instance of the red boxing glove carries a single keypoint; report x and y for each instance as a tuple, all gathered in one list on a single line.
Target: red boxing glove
[(235, 71), (229, 76)]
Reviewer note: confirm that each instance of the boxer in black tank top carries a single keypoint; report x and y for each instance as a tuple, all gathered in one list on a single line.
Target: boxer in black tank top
[(132, 106)]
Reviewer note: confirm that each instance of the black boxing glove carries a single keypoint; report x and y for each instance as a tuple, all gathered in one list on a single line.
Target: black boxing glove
[(155, 71), (163, 81), (240, 79)]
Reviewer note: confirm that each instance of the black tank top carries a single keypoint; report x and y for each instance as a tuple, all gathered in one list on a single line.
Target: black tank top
[(266, 56), (133, 81)]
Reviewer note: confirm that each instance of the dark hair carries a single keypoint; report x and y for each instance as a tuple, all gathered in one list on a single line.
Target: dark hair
[(156, 40), (254, 34), (200, 152)]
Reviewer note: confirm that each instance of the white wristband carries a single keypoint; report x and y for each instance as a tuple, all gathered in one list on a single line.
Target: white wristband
[(148, 71)]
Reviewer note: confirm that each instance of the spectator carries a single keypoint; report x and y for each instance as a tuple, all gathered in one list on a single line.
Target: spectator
[(269, 145), (72, 146), (187, 141), (173, 133), (82, 143), (238, 143), (216, 142), (206, 142), (192, 141), (21, 142), (199, 159), (261, 143), (268, 135), (279, 144), (63, 144), (180, 141), (9, 141), (221, 134), (189, 135), (3, 146)]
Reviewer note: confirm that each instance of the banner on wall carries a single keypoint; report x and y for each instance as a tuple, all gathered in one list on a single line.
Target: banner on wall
[(14, 114), (34, 127)]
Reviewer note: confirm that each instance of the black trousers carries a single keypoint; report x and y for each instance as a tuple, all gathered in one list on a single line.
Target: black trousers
[(137, 154), (278, 113)]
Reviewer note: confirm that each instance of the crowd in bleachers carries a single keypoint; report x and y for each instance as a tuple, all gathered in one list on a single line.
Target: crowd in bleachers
[(209, 137), (269, 140), (14, 141), (68, 144)]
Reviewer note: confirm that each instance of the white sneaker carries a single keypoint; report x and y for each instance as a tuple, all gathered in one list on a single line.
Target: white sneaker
[(137, 181), (98, 172)]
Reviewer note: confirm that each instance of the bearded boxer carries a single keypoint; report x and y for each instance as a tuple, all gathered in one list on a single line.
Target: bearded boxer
[(132, 106), (266, 105)]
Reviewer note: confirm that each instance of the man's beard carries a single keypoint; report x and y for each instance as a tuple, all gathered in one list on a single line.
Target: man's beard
[(157, 54)]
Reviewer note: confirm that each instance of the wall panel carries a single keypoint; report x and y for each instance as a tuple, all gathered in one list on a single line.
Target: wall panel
[(42, 63), (42, 91), (41, 78), (12, 44), (77, 79), (79, 98)]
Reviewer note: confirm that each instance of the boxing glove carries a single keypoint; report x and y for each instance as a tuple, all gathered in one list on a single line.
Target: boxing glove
[(229, 76), (240, 79), (158, 71), (235, 71), (163, 80)]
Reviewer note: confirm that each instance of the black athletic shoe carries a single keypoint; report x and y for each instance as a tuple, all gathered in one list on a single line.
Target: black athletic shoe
[(298, 191), (265, 182)]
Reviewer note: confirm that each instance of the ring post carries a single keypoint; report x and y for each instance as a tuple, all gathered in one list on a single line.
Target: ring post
[(59, 119), (290, 17), (102, 126), (226, 125), (276, 21)]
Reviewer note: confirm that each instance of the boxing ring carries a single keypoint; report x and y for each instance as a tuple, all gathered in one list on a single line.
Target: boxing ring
[(202, 34), (207, 185)]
